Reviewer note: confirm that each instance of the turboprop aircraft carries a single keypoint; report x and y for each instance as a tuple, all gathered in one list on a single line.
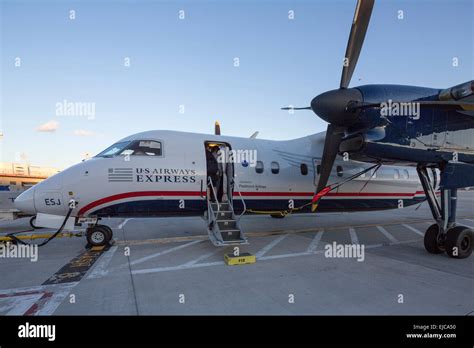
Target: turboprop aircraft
[(169, 173), (429, 128)]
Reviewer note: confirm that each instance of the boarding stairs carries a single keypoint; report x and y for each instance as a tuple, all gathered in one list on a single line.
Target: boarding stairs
[(223, 224)]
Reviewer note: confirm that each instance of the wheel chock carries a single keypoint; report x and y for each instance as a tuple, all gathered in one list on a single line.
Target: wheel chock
[(242, 259)]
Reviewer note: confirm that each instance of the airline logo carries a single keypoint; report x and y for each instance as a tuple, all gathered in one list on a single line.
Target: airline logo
[(166, 175)]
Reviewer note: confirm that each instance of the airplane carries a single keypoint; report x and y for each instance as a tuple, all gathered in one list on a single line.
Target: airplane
[(166, 173), (432, 129)]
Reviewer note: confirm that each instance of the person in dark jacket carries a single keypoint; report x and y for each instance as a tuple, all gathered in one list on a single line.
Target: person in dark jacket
[(213, 169)]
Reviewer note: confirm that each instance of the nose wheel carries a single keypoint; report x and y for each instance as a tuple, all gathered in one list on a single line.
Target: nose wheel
[(99, 235)]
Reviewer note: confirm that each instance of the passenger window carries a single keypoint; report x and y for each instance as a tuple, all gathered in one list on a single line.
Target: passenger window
[(143, 148), (396, 174), (361, 170), (259, 167), (405, 174), (339, 170), (304, 169), (318, 169), (275, 167)]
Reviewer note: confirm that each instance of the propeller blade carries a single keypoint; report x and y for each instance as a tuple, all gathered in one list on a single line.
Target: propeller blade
[(217, 128), (356, 39), (292, 108), (331, 148)]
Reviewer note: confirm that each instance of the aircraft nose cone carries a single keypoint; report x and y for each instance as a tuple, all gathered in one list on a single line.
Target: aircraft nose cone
[(331, 106), (26, 202)]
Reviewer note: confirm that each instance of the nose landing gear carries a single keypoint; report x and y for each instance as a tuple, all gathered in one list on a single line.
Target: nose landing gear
[(99, 235)]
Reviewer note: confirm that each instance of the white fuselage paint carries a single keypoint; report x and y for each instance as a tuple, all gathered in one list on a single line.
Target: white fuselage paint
[(179, 175)]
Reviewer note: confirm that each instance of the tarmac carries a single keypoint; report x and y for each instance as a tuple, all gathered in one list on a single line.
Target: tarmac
[(168, 266)]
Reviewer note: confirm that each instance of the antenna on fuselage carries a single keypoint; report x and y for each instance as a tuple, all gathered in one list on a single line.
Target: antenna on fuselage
[(217, 128)]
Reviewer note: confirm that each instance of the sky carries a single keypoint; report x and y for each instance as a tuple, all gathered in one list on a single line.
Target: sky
[(141, 66)]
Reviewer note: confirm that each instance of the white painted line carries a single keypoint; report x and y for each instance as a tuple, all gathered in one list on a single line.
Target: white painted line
[(58, 297), (176, 268), (264, 258), (413, 229), (387, 234), (164, 252), (123, 223), (469, 220), (354, 238), (314, 243), (471, 227), (282, 256), (202, 257), (270, 246), (21, 303), (100, 269)]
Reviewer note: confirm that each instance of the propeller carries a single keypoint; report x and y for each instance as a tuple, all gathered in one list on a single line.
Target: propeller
[(336, 106), (332, 106), (356, 39), (294, 108)]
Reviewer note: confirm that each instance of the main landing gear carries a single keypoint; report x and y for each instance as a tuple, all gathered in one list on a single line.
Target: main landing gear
[(445, 235)]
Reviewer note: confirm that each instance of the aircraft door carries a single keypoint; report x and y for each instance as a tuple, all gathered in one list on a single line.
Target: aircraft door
[(220, 169)]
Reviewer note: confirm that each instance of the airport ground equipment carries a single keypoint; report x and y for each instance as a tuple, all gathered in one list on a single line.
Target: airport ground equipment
[(223, 224)]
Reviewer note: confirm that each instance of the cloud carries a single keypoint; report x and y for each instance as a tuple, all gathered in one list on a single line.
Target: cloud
[(50, 127), (83, 133)]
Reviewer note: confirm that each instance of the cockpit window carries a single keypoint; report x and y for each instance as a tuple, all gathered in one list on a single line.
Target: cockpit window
[(114, 149), (143, 148)]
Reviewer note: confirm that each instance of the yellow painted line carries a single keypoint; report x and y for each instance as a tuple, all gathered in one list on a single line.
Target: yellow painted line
[(40, 236), (242, 259)]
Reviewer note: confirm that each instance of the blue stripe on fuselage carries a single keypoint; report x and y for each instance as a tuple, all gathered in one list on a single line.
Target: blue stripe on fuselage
[(196, 207)]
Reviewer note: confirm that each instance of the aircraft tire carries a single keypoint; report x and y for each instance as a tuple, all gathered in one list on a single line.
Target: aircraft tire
[(98, 235), (459, 242), (431, 240)]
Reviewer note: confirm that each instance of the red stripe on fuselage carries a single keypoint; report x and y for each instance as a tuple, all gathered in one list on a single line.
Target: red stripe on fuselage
[(244, 194), (136, 194)]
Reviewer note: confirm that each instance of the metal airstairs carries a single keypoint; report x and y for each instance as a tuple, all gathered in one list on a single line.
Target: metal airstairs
[(223, 225)]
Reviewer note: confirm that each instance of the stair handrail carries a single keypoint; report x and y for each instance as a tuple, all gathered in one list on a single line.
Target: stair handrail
[(234, 184), (209, 205)]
